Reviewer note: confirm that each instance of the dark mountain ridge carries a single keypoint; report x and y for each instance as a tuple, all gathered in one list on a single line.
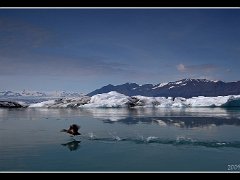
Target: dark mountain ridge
[(182, 88)]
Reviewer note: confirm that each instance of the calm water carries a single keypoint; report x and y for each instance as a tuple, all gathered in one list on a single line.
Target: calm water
[(193, 139)]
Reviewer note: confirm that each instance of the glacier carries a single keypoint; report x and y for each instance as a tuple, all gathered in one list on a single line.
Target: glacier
[(63, 103), (9, 104), (114, 99)]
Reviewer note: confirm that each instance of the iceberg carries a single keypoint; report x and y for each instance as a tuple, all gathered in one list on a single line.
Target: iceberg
[(220, 101), (114, 99), (10, 104), (62, 103)]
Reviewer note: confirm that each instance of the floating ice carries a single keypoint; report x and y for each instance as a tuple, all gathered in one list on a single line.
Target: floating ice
[(161, 122), (116, 100), (67, 102), (9, 104)]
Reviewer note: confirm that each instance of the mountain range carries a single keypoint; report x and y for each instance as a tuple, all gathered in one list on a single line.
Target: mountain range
[(25, 93), (186, 88)]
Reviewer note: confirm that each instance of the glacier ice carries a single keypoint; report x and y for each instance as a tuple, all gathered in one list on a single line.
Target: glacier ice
[(116, 100), (67, 102), (9, 104)]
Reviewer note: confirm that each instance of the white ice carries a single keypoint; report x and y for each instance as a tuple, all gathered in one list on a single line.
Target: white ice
[(116, 100)]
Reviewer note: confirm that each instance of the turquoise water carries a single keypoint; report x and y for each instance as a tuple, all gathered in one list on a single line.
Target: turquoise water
[(193, 139)]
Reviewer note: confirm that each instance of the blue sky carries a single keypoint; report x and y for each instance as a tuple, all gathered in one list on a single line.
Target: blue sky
[(84, 49)]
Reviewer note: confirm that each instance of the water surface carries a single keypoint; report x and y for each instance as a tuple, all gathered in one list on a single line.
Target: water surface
[(144, 139)]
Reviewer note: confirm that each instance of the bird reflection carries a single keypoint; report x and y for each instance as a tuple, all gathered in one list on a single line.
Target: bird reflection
[(72, 145)]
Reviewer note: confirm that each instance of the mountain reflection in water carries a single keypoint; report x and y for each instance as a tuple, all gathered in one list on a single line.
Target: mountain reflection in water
[(180, 117), (120, 139)]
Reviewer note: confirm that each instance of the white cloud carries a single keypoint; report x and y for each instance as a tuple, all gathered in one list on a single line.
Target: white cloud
[(181, 68), (201, 68)]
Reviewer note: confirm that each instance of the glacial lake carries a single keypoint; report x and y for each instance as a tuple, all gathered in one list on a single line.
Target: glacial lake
[(119, 139)]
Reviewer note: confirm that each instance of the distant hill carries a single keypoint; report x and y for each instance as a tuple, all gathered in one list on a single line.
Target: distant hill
[(24, 93), (182, 88)]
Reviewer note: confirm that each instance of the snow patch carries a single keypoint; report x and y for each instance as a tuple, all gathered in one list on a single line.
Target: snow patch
[(162, 84), (179, 82)]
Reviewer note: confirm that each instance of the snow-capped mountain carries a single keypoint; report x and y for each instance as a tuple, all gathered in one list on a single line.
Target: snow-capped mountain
[(182, 88), (9, 94), (63, 94), (26, 93)]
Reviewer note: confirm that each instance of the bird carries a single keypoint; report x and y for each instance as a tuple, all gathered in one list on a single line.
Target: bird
[(73, 130)]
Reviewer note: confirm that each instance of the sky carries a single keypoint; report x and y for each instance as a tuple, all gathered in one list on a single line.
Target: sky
[(80, 50)]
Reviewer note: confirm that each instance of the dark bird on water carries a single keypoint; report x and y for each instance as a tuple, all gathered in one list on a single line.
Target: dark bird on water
[(73, 130)]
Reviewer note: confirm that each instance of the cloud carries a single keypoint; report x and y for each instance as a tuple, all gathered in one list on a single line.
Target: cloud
[(18, 36), (204, 68), (19, 55), (43, 65), (181, 68), (228, 70)]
